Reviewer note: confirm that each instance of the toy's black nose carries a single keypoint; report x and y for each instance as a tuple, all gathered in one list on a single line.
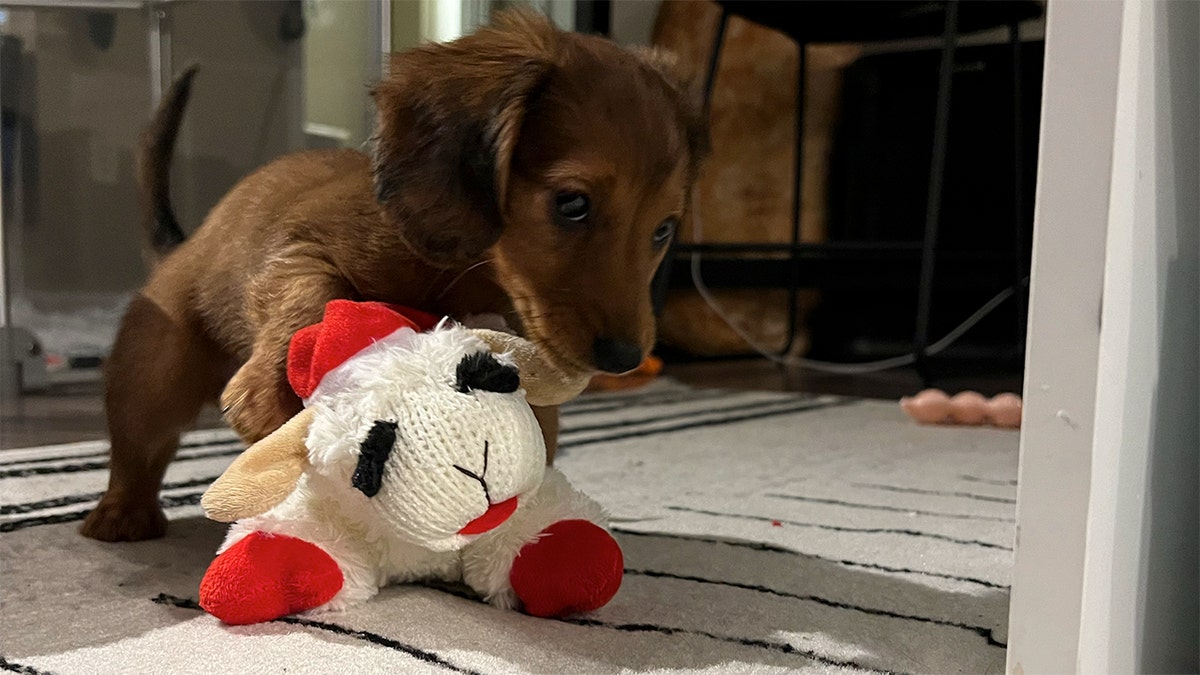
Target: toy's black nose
[(615, 356)]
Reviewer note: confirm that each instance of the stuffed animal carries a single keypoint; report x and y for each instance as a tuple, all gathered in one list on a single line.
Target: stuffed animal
[(934, 406), (416, 457)]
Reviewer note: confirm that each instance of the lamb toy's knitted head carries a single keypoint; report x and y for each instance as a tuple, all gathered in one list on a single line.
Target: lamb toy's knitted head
[(433, 430), (426, 425)]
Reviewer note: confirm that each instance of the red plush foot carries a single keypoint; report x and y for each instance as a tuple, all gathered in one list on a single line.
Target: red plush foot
[(574, 566), (264, 577)]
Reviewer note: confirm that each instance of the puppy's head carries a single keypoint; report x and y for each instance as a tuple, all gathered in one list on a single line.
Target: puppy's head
[(563, 159)]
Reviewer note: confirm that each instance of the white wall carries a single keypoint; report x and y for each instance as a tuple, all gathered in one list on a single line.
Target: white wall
[(1107, 569), (633, 20), (1141, 599), (339, 68), (1078, 104)]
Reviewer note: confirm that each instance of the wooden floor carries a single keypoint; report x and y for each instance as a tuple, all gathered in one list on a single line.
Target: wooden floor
[(75, 413)]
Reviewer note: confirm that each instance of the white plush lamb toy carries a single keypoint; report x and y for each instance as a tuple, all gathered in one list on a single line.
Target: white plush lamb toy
[(417, 456)]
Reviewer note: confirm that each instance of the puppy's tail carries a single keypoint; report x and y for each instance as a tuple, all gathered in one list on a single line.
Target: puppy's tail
[(154, 166)]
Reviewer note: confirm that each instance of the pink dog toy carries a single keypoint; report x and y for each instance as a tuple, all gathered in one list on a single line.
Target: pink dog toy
[(934, 406)]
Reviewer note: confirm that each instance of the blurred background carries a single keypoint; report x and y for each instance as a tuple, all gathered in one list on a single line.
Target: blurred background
[(843, 280)]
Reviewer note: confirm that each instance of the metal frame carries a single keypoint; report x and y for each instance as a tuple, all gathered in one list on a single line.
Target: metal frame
[(385, 26), (75, 4), (158, 51), (1022, 262), (937, 177), (593, 16), (896, 252), (379, 47)]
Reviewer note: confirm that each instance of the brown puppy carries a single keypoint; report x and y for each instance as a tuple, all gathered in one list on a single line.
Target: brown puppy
[(520, 170)]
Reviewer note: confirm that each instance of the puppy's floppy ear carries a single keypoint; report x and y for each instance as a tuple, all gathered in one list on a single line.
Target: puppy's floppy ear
[(686, 95), (449, 116), (262, 476)]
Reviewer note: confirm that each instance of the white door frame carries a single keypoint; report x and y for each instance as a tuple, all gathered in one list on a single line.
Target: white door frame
[(1067, 273), (1108, 517)]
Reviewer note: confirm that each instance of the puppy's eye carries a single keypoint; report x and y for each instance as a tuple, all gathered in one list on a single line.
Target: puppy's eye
[(664, 232), (572, 207)]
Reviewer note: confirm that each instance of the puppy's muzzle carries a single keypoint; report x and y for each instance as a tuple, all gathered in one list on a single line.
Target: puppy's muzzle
[(615, 356)]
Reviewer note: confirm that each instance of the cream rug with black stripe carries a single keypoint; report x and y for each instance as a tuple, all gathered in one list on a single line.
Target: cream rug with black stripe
[(763, 532)]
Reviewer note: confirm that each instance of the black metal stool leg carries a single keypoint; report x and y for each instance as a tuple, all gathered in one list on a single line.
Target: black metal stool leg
[(662, 278), (797, 193), (937, 174), (714, 60), (1019, 221)]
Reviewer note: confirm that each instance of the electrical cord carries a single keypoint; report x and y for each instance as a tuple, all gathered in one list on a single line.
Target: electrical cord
[(829, 366)]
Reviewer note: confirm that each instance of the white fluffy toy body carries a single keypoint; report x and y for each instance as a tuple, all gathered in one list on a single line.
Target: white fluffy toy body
[(417, 456)]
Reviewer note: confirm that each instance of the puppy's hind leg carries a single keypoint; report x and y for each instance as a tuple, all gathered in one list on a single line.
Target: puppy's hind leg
[(159, 374)]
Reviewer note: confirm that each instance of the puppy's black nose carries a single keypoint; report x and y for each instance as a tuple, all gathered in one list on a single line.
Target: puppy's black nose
[(616, 356)]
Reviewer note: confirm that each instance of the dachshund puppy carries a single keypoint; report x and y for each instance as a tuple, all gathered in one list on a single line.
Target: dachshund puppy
[(520, 170)]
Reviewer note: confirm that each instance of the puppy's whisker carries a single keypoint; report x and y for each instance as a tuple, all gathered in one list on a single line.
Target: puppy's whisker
[(458, 278), (434, 282)]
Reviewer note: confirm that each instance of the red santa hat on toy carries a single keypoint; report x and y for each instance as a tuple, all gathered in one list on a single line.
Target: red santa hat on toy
[(348, 329)]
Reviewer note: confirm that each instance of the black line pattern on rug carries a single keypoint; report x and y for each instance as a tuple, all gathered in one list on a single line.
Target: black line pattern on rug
[(104, 453), (70, 516), (844, 528), (584, 406), (180, 500), (47, 460), (783, 647), (798, 408), (805, 407), (98, 465), (772, 548), (986, 633), (26, 507), (1006, 482), (366, 636), (937, 493), (624, 424), (895, 509), (13, 667)]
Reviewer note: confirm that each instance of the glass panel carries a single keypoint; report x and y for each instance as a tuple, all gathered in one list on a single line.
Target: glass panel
[(78, 85), (338, 71), (75, 94)]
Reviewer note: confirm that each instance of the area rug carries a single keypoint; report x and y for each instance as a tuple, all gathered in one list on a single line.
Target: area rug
[(763, 532)]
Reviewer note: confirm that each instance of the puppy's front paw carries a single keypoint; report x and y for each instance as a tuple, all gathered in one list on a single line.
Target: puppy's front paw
[(117, 519), (257, 401)]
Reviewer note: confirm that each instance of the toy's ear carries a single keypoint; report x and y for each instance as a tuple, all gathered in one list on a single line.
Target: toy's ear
[(545, 385), (262, 476)]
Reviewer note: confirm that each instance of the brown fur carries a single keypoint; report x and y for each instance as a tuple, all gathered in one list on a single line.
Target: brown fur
[(454, 213)]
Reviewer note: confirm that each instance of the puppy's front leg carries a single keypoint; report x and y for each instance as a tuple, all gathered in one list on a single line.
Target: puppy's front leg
[(258, 399)]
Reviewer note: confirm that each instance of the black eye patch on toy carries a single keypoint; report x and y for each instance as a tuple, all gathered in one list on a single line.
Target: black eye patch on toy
[(373, 454), (483, 372)]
